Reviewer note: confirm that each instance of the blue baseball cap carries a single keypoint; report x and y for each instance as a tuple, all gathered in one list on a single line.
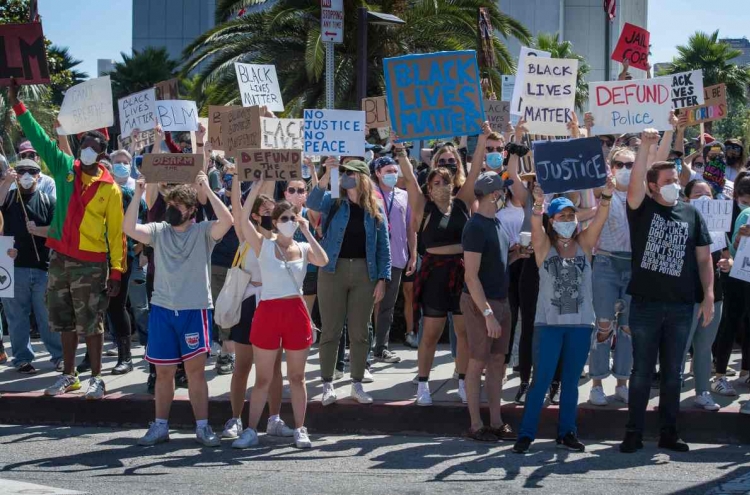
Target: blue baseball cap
[(559, 204)]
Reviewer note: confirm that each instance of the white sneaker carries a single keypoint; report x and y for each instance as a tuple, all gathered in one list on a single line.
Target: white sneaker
[(277, 428), (455, 374), (706, 401), (462, 391), (96, 390), (722, 387), (156, 434), (622, 393), (206, 437), (411, 340), (301, 440), (232, 428), (367, 377), (338, 375), (597, 396), (329, 394), (248, 438), (423, 394), (359, 394)]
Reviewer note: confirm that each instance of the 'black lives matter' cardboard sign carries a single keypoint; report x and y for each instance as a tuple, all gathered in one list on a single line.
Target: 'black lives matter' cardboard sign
[(23, 54)]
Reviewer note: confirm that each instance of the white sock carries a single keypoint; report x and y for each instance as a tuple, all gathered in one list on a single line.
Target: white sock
[(200, 423), (274, 418), (161, 422)]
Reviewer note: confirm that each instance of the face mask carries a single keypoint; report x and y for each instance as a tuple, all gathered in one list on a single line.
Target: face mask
[(698, 168), (266, 222), (732, 160), (565, 229), (670, 192), (622, 176), (742, 207), (494, 160), (287, 229), (441, 194), (27, 181), (120, 170), (174, 216), (390, 180), (705, 197), (88, 156), (348, 182)]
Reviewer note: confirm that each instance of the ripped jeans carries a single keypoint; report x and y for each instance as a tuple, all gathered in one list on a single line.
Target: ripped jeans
[(611, 276)]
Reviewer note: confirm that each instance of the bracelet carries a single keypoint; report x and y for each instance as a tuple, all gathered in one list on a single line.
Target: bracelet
[(538, 205), (199, 145), (604, 196)]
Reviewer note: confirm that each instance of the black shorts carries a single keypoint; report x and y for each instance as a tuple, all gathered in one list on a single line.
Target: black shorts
[(436, 299), (240, 333), (310, 284)]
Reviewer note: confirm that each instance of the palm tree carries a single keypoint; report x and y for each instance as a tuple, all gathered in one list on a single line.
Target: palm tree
[(287, 34), (564, 49), (140, 71), (62, 62)]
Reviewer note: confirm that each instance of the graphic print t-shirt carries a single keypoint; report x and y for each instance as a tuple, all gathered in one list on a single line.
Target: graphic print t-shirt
[(664, 239)]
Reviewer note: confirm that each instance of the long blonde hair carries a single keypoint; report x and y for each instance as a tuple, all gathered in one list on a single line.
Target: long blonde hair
[(460, 177), (366, 197)]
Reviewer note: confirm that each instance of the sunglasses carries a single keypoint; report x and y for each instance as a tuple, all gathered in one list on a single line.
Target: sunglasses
[(734, 147), (449, 161), (607, 143), (345, 171), (698, 164), (30, 171), (285, 219), (492, 149), (618, 164), (716, 155), (28, 154), (297, 190)]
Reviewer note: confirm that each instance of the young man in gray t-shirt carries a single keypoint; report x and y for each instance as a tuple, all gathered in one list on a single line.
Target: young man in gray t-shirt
[(180, 317)]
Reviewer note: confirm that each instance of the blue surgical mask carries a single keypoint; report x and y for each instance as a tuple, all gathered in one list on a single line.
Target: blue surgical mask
[(565, 229), (348, 182), (121, 170), (390, 180), (494, 160)]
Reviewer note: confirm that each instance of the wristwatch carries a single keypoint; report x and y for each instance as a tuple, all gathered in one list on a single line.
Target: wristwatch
[(487, 312)]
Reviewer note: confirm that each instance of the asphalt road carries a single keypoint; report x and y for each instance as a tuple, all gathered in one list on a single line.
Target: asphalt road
[(67, 460)]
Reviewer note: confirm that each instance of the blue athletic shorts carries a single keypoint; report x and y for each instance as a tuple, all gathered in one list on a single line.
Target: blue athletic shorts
[(176, 336)]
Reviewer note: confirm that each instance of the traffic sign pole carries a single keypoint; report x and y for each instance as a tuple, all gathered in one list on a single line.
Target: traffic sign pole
[(331, 32), (330, 73)]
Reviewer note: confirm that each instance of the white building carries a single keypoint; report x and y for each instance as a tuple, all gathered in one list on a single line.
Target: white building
[(103, 66)]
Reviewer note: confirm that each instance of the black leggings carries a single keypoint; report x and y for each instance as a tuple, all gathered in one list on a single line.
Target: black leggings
[(733, 321), (514, 300), (117, 311)]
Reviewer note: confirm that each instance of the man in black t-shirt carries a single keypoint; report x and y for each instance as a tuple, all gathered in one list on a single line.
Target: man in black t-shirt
[(670, 244), (29, 231)]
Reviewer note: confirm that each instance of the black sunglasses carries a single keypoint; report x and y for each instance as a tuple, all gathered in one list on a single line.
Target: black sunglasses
[(492, 149), (607, 142), (285, 219), (449, 161), (29, 154), (298, 190), (734, 147), (618, 164), (346, 171), (30, 171)]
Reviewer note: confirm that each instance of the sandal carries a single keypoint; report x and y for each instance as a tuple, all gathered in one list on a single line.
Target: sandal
[(504, 432), (483, 434)]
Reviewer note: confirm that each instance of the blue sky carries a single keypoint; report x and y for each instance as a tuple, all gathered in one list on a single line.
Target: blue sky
[(94, 29)]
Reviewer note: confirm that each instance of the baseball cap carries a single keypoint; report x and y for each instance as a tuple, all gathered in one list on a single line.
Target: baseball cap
[(25, 147), (357, 166), (559, 204), (487, 183), (26, 163)]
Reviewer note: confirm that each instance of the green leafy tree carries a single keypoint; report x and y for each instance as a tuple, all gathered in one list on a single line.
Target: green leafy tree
[(735, 125), (564, 49), (140, 71), (63, 64), (287, 34)]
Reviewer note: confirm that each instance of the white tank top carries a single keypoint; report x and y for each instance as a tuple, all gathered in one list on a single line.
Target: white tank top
[(277, 281)]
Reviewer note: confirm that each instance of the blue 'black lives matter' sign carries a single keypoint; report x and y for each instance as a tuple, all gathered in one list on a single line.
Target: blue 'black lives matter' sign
[(569, 165)]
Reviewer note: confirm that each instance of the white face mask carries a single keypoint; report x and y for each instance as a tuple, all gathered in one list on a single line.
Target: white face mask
[(565, 229), (670, 192), (88, 156), (287, 229), (27, 181), (623, 176), (742, 207)]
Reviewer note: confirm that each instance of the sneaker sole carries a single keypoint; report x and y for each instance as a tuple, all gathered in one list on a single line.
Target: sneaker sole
[(329, 401), (241, 447), (571, 449), (304, 446), (364, 403), (72, 388), (598, 405), (229, 437)]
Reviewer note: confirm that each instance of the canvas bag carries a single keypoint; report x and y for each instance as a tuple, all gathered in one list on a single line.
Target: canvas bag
[(228, 305)]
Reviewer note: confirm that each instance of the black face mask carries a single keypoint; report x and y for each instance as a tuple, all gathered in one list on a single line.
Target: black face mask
[(266, 222), (174, 216), (732, 160)]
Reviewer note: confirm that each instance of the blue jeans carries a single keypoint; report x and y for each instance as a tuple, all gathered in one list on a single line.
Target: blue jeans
[(30, 290), (570, 345), (611, 276), (657, 328), (702, 338), (138, 296)]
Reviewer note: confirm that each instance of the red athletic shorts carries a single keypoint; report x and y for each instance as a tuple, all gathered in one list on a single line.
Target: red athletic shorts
[(281, 323)]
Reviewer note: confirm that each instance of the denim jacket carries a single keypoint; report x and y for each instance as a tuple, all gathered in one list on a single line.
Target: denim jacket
[(377, 245)]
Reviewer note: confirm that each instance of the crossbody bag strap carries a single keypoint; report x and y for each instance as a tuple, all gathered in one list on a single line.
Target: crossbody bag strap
[(288, 270)]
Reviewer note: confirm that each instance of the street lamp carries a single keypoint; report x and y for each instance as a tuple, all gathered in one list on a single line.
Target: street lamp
[(365, 17)]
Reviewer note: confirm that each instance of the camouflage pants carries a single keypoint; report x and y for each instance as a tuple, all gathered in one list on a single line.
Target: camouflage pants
[(76, 295)]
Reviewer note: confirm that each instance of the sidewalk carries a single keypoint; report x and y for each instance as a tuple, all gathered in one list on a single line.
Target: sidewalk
[(127, 403)]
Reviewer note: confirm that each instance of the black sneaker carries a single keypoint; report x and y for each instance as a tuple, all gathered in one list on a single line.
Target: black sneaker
[(521, 394), (633, 442), (151, 383), (554, 393), (26, 369), (673, 443), (85, 365), (387, 357), (571, 442), (225, 364), (180, 378), (522, 445)]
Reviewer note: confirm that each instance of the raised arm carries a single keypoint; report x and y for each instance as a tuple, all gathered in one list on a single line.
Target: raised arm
[(665, 146), (590, 236), (520, 193), (249, 232), (317, 255), (130, 226), (466, 193), (539, 238), (417, 200), (637, 186), (62, 142), (235, 196)]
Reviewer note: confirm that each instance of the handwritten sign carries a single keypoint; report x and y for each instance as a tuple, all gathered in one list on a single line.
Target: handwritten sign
[(279, 134), (215, 130), (687, 89), (142, 139), (497, 114), (240, 128), (259, 85), (716, 212), (174, 168), (713, 108), (177, 115), (168, 90), (569, 165), (434, 95), (270, 165), (741, 266), (87, 106), (718, 241), (137, 111), (23, 54), (548, 94), (633, 46), (508, 84), (630, 106), (376, 112), (515, 102), (7, 272), (334, 132)]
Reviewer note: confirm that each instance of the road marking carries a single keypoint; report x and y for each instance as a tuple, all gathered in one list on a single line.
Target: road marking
[(12, 487), (737, 486)]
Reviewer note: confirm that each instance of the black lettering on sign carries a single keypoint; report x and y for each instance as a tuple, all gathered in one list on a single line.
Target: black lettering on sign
[(23, 54)]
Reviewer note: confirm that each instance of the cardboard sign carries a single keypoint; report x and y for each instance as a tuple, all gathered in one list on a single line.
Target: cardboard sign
[(497, 114), (718, 241), (569, 165), (7, 273), (177, 115), (174, 168), (279, 134), (137, 111), (259, 85), (741, 266), (334, 132), (168, 90), (87, 106), (713, 108), (687, 89), (240, 128), (508, 84), (215, 131), (434, 95), (716, 212), (376, 112), (548, 94), (142, 139), (23, 54), (269, 165), (633, 46), (515, 101)]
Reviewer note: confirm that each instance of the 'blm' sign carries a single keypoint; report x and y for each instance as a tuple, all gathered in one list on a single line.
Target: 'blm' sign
[(23, 54)]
